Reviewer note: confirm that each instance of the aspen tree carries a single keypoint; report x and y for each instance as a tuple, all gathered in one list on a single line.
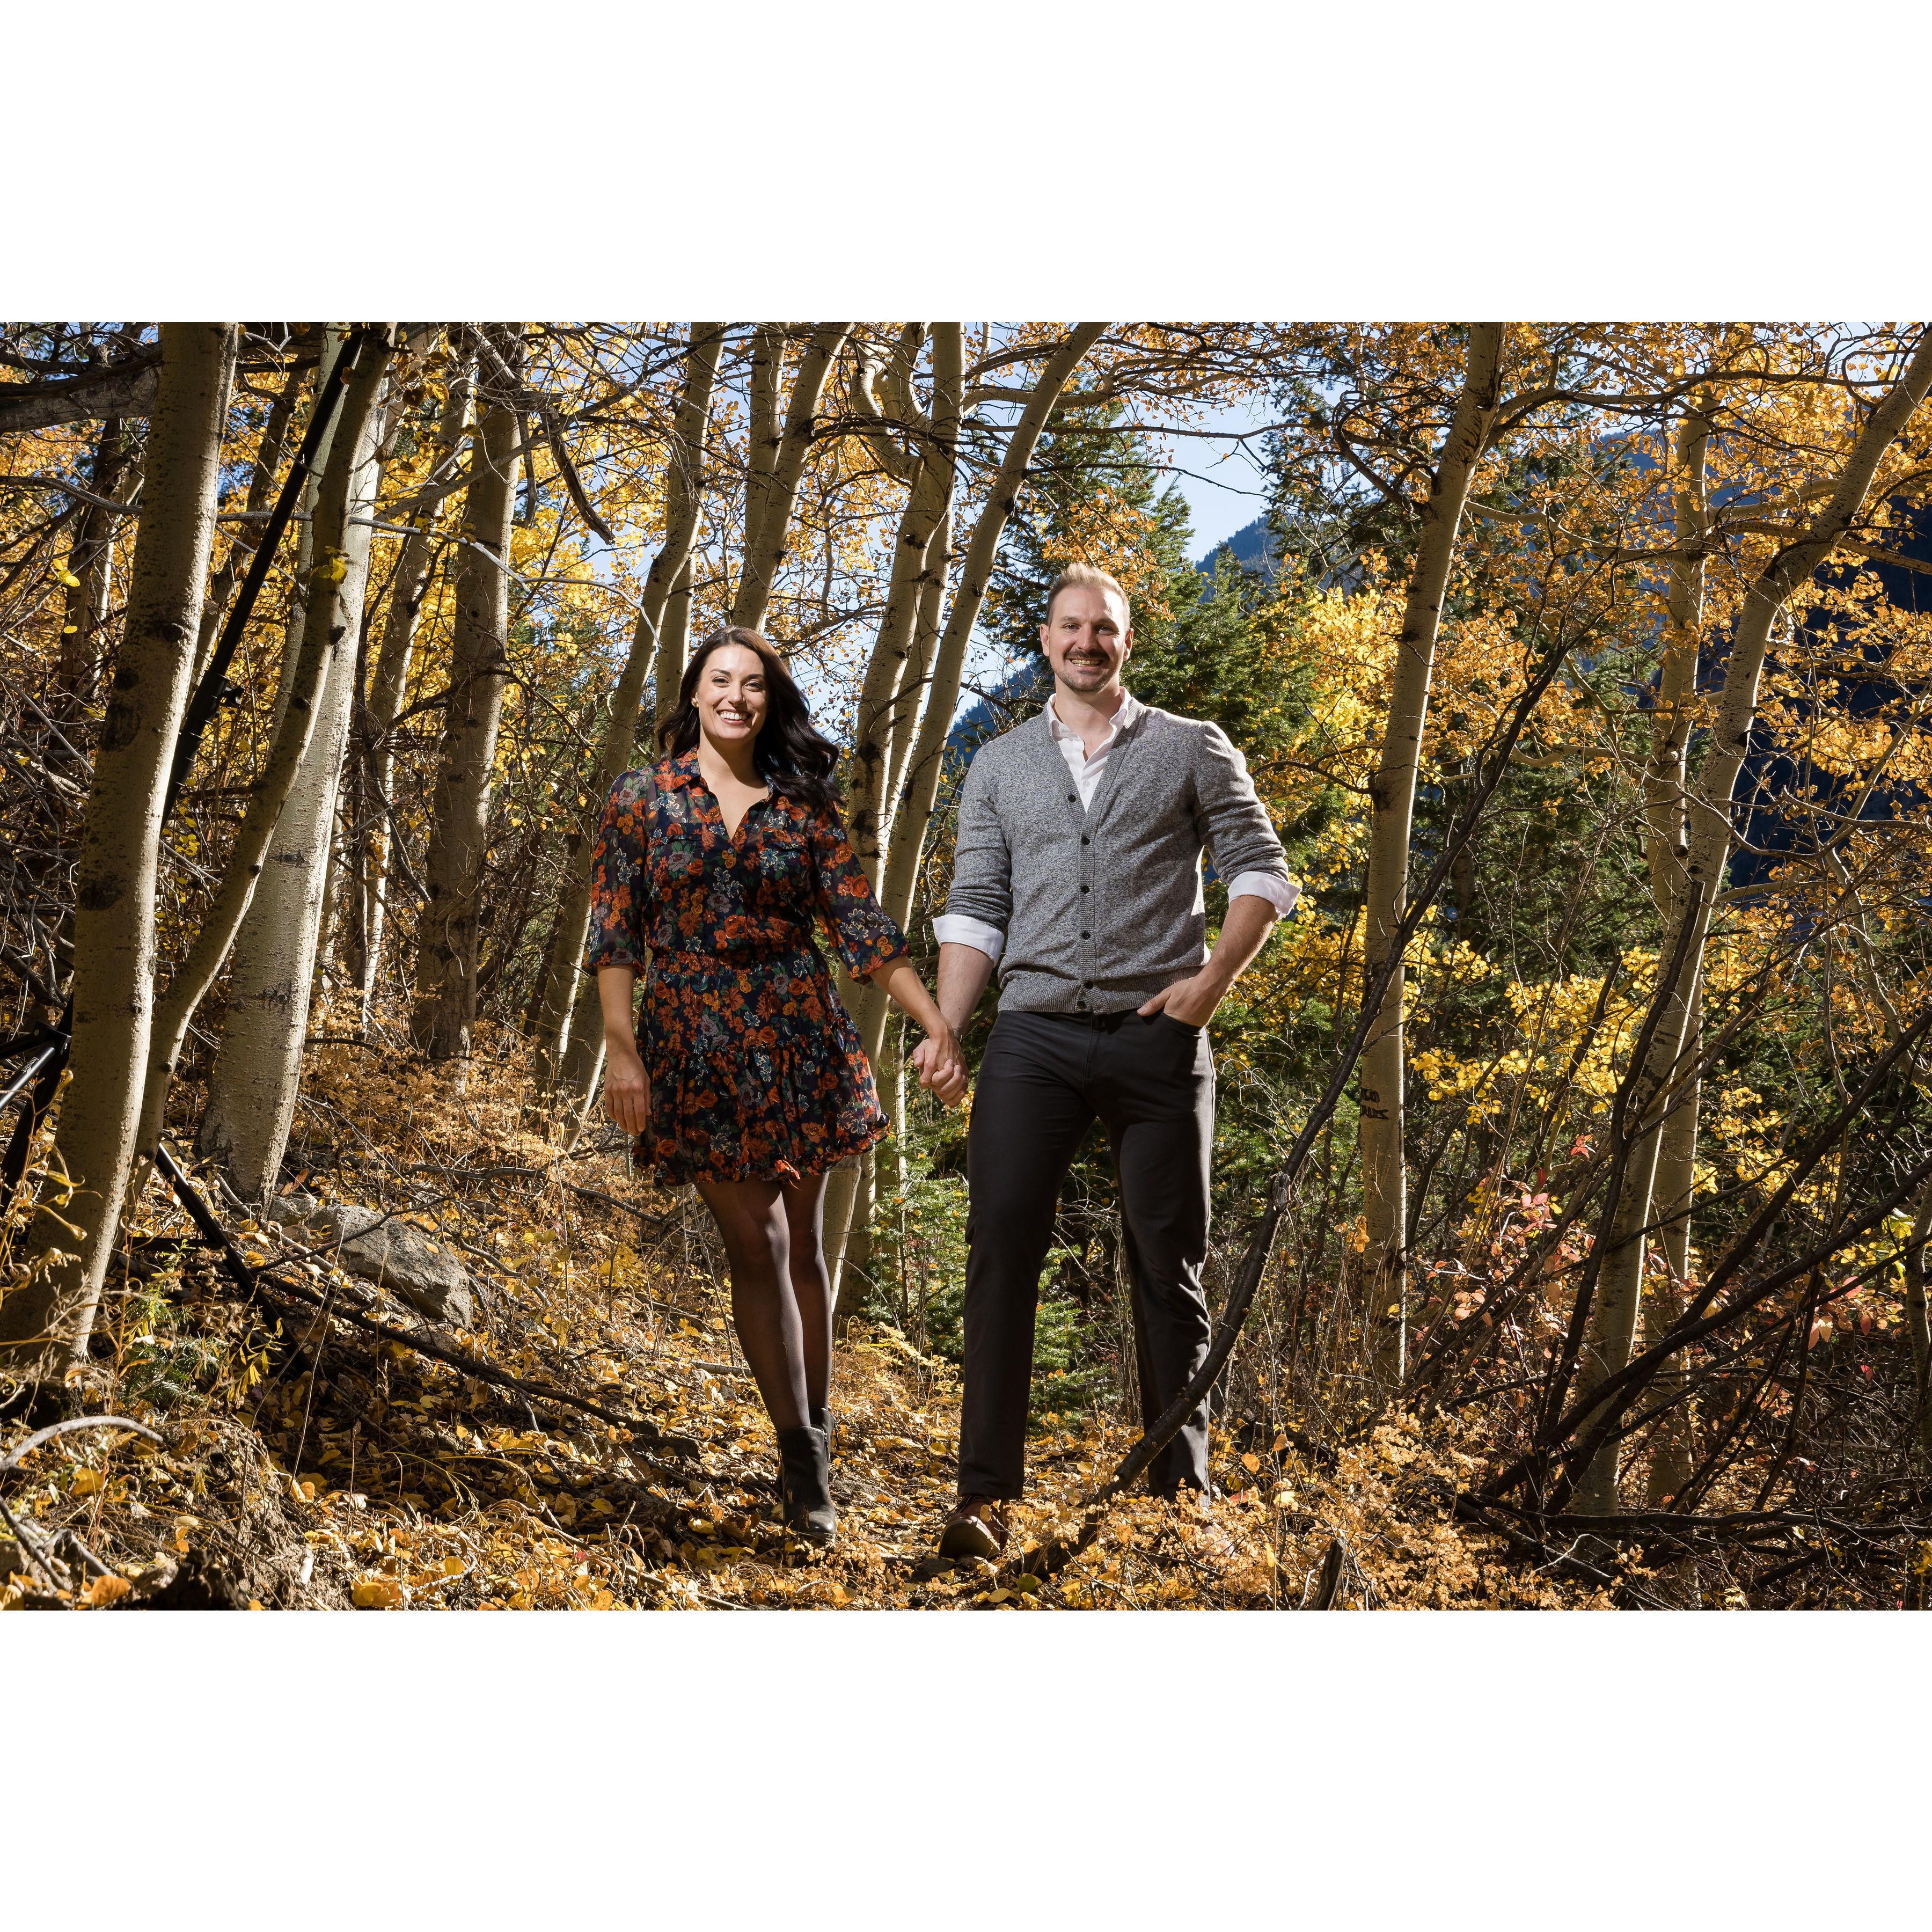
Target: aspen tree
[(1711, 841), (320, 643), (248, 532), (1667, 793), (257, 1071), (374, 749), (445, 1015), (777, 462), (1392, 795), (51, 1313), (684, 486)]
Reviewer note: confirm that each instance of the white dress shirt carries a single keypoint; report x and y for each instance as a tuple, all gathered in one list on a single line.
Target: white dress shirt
[(955, 929)]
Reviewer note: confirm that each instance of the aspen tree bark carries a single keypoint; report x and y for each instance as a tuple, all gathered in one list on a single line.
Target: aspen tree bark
[(925, 760), (906, 709), (321, 642), (90, 566), (257, 1073), (387, 686), (869, 803), (445, 1015), (684, 487), (764, 430), (772, 491), (1711, 836), (1392, 793), (1667, 792), (51, 1313), (247, 534), (673, 645)]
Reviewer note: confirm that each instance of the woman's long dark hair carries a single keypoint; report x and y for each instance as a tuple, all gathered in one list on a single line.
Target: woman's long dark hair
[(798, 762)]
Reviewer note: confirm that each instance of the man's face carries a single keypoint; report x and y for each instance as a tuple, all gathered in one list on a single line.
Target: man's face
[(1087, 638)]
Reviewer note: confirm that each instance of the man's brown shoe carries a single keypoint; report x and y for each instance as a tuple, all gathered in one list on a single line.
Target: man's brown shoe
[(977, 1527)]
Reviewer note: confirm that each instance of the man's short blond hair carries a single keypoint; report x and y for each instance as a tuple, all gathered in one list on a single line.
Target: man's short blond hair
[(1088, 576)]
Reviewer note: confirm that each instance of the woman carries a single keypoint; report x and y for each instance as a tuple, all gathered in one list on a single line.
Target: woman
[(714, 865)]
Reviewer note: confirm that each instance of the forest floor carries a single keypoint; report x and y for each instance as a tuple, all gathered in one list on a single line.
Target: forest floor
[(311, 1464)]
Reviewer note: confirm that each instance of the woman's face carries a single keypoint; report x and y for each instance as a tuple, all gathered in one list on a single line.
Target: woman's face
[(730, 697)]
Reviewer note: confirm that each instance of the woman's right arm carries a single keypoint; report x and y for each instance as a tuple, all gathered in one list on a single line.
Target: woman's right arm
[(616, 950), (627, 1091)]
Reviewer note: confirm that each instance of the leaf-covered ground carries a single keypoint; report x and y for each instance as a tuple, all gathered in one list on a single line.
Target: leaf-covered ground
[(308, 1463)]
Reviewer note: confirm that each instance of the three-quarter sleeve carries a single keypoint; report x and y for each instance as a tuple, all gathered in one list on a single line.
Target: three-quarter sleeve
[(864, 938), (617, 878)]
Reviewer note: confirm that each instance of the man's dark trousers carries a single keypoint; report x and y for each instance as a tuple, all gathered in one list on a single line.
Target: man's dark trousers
[(1043, 1079)]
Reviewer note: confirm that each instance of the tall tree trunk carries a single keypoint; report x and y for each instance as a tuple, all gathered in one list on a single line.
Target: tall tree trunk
[(684, 488), (909, 826), (1667, 792), (89, 573), (869, 801), (321, 642), (1613, 1317), (248, 534), (375, 746), (673, 645), (772, 491), (445, 1016), (1392, 794), (907, 709), (257, 1071), (52, 1311)]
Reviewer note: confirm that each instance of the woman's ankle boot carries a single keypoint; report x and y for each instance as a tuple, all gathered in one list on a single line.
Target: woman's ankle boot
[(819, 1415), (805, 1484)]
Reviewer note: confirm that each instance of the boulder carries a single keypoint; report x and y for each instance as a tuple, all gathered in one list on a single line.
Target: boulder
[(390, 1253)]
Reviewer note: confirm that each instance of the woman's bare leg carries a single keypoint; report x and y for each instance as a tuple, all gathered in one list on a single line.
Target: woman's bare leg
[(755, 1226), (811, 1282)]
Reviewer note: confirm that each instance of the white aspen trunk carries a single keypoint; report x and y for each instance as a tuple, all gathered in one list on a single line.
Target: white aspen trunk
[(445, 1015), (387, 686), (1392, 792), (257, 1071), (1666, 794), (869, 801), (774, 492), (51, 1314), (906, 709), (868, 1003), (321, 644), (248, 535), (673, 645), (1711, 837), (684, 489)]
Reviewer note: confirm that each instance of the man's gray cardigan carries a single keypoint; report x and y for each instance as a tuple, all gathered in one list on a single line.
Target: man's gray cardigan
[(1102, 907)]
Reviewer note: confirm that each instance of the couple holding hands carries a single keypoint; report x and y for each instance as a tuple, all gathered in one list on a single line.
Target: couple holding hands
[(1076, 876)]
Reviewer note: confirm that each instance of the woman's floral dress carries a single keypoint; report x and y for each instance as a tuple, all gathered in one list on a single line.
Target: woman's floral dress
[(756, 1072)]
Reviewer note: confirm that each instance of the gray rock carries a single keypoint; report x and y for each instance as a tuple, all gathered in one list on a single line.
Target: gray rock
[(388, 1252)]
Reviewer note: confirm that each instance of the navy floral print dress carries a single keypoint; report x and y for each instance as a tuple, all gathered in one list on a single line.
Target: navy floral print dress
[(756, 1072)]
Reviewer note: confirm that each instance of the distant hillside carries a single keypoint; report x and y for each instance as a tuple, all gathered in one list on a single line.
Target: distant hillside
[(1254, 547)]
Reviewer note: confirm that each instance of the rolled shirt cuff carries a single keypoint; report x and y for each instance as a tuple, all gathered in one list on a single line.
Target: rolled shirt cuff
[(954, 929), (1280, 893)]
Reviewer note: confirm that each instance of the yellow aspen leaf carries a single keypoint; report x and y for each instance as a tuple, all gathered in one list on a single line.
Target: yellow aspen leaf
[(377, 1593), (1251, 1462), (86, 1483), (106, 1590)]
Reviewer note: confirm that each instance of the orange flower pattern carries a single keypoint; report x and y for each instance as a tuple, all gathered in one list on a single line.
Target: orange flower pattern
[(756, 1072)]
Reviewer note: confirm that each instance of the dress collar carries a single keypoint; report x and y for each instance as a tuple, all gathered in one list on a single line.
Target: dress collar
[(1131, 708)]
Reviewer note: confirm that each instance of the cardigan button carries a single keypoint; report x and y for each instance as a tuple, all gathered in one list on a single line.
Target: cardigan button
[(1085, 840)]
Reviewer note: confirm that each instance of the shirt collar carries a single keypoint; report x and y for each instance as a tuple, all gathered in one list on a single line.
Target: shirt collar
[(1131, 708)]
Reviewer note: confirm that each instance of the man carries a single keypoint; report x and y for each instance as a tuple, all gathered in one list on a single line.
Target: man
[(1077, 873)]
